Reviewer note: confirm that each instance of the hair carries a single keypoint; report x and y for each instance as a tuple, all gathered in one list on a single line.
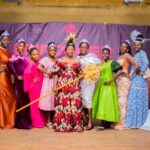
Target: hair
[(84, 43), (140, 39), (140, 36), (128, 47), (70, 43), (106, 49), (32, 49), (1, 32)]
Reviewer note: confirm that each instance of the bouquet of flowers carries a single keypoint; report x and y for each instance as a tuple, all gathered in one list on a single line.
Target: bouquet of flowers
[(91, 72)]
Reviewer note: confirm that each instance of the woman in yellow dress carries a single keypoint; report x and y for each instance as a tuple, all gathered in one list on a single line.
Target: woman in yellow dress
[(7, 94)]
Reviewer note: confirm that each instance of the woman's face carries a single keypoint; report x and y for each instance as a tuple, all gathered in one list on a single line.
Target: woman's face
[(21, 47), (35, 55), (4, 41), (137, 46), (123, 48), (52, 51), (105, 55), (84, 48), (70, 51)]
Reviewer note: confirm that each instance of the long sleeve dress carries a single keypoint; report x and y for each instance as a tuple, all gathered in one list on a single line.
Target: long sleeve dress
[(7, 94), (31, 72), (17, 65), (87, 88)]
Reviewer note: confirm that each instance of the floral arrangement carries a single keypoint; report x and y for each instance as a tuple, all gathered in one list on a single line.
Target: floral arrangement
[(91, 72)]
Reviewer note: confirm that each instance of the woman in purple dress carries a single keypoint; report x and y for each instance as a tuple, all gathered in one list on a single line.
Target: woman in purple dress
[(17, 65)]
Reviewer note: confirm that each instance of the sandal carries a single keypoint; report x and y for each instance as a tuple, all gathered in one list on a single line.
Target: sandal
[(89, 127), (100, 128), (49, 125)]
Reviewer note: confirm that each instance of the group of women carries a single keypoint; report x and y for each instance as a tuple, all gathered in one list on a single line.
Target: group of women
[(119, 98)]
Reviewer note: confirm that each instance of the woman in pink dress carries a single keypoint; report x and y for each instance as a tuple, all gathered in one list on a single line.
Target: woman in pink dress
[(32, 84), (45, 66)]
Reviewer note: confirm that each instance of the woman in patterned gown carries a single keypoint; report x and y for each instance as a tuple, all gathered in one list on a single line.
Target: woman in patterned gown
[(137, 108), (68, 101), (123, 82)]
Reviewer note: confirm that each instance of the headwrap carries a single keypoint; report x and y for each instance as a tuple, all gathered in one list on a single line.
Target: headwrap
[(136, 36)]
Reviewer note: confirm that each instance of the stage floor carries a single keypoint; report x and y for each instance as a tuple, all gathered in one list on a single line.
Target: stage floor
[(47, 139)]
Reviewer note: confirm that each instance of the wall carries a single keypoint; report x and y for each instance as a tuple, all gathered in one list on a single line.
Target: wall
[(110, 11)]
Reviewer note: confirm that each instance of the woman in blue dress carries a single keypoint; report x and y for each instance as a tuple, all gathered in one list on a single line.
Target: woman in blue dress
[(137, 108)]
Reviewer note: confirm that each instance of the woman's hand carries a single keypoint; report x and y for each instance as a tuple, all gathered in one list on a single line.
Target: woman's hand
[(55, 91), (50, 74), (138, 71), (2, 68), (107, 82), (80, 76), (36, 80), (12, 78), (127, 75), (20, 77)]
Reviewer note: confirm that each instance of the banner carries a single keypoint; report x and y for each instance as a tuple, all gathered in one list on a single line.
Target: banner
[(40, 34)]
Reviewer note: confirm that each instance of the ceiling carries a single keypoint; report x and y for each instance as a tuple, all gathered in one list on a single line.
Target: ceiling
[(76, 3)]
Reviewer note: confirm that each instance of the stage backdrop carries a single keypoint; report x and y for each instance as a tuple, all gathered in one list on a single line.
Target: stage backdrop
[(40, 34)]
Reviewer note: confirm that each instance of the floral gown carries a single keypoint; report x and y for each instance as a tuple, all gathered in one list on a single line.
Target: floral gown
[(68, 102)]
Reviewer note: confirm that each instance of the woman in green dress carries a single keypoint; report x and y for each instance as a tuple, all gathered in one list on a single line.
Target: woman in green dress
[(105, 100)]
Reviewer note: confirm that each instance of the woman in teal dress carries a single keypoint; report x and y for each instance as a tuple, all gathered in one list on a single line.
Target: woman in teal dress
[(105, 99)]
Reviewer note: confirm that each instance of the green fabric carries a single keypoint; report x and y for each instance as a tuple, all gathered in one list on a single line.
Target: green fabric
[(115, 66), (105, 100)]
